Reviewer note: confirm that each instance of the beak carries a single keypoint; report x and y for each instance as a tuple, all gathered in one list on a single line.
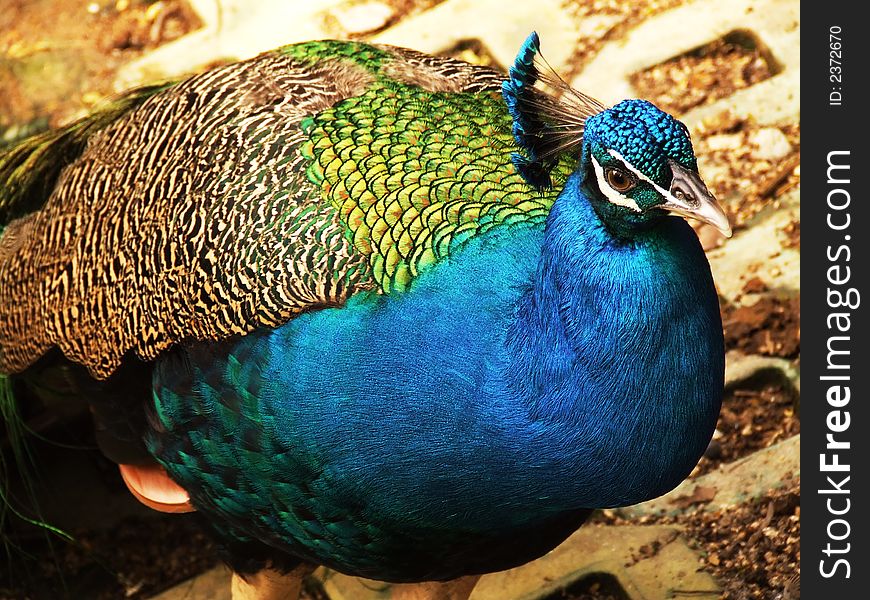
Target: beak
[(689, 197)]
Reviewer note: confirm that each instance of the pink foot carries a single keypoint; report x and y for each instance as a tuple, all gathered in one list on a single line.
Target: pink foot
[(151, 486)]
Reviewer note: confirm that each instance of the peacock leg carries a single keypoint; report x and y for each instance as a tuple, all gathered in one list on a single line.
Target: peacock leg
[(270, 585), (458, 589)]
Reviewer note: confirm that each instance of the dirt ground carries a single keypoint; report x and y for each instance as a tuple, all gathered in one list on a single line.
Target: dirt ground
[(753, 550), (48, 80)]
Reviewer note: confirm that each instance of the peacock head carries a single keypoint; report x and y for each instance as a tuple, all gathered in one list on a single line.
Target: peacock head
[(639, 165), (636, 162)]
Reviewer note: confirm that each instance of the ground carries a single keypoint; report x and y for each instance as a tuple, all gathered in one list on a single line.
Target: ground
[(753, 549)]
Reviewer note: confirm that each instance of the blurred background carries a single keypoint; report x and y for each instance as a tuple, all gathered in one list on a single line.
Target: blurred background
[(729, 69)]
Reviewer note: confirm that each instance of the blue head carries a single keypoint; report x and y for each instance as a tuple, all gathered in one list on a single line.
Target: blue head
[(636, 161), (638, 165)]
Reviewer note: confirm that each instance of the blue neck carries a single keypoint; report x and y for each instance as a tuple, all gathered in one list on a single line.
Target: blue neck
[(632, 346)]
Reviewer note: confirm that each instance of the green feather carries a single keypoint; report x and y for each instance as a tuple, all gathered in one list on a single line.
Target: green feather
[(398, 165), (357, 53)]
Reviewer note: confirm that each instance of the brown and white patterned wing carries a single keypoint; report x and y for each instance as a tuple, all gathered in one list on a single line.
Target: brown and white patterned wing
[(187, 217), (193, 215)]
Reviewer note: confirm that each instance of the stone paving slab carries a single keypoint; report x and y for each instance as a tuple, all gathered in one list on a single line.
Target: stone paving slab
[(742, 370), (232, 29), (238, 29), (648, 562), (736, 482), (214, 584), (500, 31), (775, 23), (623, 552), (760, 250)]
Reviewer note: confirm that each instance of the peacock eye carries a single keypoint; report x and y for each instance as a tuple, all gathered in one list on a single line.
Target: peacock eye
[(618, 179)]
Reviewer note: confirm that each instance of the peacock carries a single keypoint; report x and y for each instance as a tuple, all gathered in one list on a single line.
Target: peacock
[(363, 307)]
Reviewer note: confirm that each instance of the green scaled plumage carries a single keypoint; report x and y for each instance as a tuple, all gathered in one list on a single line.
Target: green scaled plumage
[(366, 56), (412, 184)]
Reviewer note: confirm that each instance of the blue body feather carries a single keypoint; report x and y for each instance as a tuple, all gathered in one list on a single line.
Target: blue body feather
[(534, 373)]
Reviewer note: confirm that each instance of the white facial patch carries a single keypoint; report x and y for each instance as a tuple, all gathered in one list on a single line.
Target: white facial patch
[(611, 194)]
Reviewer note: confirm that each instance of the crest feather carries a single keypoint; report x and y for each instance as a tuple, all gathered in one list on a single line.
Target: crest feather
[(547, 124)]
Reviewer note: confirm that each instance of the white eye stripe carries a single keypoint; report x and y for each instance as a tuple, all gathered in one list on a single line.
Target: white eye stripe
[(611, 194), (638, 174)]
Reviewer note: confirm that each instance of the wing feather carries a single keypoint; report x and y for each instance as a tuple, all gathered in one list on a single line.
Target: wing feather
[(239, 197)]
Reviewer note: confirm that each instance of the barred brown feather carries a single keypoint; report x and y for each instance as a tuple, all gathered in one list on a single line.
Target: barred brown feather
[(191, 216)]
